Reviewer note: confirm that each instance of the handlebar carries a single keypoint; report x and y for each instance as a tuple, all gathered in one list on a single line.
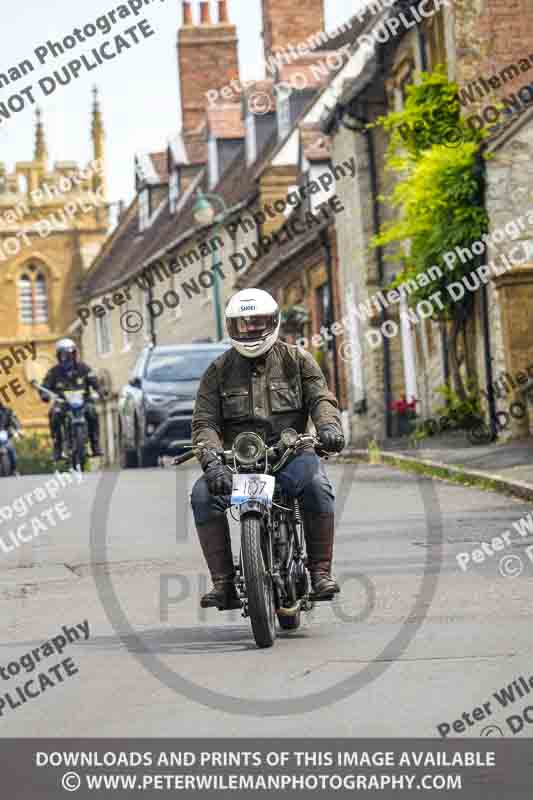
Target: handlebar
[(271, 452), (53, 395), (185, 457)]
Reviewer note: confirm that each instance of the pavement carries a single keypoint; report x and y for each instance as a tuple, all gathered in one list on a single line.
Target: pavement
[(510, 464), (413, 642)]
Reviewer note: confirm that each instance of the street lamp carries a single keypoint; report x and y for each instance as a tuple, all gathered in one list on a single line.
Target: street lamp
[(205, 214)]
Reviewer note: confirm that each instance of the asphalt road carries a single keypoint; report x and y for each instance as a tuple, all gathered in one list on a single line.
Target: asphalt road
[(412, 643)]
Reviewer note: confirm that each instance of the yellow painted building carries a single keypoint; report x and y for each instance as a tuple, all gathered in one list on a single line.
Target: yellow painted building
[(53, 222)]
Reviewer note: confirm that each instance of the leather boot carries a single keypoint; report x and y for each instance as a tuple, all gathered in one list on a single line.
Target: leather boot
[(319, 533), (216, 546)]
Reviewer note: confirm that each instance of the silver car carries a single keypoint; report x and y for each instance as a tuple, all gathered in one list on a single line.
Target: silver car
[(156, 405)]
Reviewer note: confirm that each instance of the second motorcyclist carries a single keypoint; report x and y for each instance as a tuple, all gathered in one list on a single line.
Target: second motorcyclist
[(71, 374)]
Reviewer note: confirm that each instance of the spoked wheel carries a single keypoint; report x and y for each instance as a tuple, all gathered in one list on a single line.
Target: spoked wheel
[(79, 448), (259, 588)]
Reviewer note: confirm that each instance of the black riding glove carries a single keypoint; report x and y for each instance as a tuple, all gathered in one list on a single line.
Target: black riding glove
[(331, 438), (219, 478)]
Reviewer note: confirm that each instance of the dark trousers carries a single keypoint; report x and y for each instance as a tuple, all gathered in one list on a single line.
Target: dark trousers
[(56, 416), (304, 477)]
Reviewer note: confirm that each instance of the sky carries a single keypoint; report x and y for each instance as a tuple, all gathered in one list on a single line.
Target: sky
[(139, 89)]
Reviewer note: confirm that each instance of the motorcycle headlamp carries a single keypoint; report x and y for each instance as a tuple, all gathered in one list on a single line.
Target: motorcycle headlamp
[(248, 448)]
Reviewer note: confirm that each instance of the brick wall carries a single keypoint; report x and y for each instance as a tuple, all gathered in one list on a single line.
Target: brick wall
[(286, 22), (208, 60), (491, 35)]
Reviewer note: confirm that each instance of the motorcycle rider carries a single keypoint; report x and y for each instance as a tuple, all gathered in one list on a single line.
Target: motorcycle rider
[(71, 374), (9, 423), (263, 385)]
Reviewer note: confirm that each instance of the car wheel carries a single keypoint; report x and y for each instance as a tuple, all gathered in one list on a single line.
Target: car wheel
[(128, 458), (145, 458)]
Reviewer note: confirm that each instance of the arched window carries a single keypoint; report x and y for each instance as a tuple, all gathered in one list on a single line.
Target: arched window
[(33, 297), (40, 299), (25, 299)]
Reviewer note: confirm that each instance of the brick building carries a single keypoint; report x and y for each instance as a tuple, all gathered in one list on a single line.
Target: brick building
[(53, 221)]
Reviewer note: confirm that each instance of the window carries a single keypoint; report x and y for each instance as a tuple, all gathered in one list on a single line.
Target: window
[(25, 300), (40, 299), (144, 209), (103, 335), (174, 190), (126, 344), (251, 144), (33, 297), (213, 162), (284, 114)]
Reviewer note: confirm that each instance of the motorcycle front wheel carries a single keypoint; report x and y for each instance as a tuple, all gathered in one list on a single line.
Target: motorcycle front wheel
[(259, 588), (79, 451)]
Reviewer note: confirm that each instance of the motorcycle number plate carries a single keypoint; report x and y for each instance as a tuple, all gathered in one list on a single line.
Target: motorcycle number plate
[(253, 487)]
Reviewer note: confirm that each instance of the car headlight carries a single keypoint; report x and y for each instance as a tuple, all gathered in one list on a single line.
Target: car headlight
[(248, 448), (158, 399)]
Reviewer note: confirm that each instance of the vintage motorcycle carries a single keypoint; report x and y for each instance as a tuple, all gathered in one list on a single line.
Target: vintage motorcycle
[(271, 575), (75, 433)]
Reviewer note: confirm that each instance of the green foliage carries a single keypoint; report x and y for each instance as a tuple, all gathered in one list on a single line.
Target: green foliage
[(34, 455), (438, 194), (461, 411)]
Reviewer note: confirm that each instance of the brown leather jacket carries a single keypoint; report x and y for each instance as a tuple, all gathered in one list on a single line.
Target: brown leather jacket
[(281, 390)]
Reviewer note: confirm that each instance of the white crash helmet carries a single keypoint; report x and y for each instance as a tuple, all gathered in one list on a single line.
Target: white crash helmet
[(253, 322)]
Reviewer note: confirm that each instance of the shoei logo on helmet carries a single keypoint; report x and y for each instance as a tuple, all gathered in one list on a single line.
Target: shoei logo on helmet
[(247, 308)]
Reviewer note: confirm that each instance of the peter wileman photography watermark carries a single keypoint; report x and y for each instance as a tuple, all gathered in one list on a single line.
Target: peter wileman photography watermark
[(163, 270), (87, 61), (49, 195), (50, 676), (16, 354), (509, 565), (23, 532), (505, 697)]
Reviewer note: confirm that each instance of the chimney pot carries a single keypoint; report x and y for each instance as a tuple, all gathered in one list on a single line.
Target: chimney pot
[(205, 15), (187, 13), (223, 16)]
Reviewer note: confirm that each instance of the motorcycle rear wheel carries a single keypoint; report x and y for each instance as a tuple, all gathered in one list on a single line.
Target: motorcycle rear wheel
[(259, 588)]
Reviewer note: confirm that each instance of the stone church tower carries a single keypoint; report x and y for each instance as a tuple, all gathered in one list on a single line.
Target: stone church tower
[(53, 221)]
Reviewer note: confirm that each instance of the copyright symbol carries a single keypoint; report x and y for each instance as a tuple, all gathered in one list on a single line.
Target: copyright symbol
[(346, 351), (71, 781), (491, 730), (452, 137), (260, 103), (511, 566), (131, 321)]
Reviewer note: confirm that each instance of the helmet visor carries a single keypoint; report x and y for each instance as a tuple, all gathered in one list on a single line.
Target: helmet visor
[(252, 329), (67, 356)]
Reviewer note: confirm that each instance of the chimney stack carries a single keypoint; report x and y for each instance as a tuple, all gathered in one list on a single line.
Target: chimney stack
[(208, 61), (187, 13), (223, 17), (287, 22), (205, 14)]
